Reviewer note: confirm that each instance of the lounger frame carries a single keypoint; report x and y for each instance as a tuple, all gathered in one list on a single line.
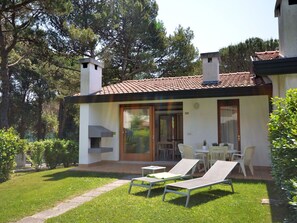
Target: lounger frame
[(205, 181), (184, 169)]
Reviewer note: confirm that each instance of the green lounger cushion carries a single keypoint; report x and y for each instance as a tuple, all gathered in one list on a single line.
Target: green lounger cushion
[(164, 175)]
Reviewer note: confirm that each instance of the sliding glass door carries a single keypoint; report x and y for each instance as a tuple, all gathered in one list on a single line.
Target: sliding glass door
[(136, 139)]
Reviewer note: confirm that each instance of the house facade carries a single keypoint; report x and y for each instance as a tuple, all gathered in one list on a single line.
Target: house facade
[(281, 66), (135, 120)]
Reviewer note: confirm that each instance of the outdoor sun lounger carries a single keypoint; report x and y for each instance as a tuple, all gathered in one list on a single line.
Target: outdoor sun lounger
[(179, 171), (215, 175)]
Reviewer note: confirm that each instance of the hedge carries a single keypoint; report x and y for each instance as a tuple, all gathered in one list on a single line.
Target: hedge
[(283, 138), (53, 152), (10, 146)]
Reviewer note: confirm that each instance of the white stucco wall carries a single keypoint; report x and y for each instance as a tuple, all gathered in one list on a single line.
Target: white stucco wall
[(254, 117), (84, 144), (199, 124), (282, 83), (288, 29), (107, 115)]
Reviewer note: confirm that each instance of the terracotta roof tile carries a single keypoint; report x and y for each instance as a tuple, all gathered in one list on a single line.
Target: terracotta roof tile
[(267, 55), (231, 80)]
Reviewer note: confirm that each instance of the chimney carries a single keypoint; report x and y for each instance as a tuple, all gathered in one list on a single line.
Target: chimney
[(210, 67), (286, 11), (90, 76)]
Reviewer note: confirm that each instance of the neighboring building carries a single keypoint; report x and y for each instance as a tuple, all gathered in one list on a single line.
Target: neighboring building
[(132, 120), (281, 66)]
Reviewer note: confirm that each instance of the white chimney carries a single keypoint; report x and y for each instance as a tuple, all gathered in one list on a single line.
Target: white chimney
[(90, 76), (210, 67), (286, 11)]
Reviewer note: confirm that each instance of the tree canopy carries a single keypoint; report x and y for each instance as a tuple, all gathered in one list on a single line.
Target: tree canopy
[(20, 26), (127, 36), (41, 41), (237, 57)]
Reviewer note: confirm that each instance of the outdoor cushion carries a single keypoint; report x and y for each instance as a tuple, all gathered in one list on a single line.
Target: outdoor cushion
[(164, 175)]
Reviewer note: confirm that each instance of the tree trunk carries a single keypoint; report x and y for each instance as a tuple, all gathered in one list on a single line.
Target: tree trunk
[(22, 127), (61, 118), (40, 129), (5, 90)]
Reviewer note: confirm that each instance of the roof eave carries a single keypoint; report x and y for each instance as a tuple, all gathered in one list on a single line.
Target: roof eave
[(277, 8), (275, 67), (170, 95)]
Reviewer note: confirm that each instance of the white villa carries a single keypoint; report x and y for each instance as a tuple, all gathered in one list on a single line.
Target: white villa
[(135, 119)]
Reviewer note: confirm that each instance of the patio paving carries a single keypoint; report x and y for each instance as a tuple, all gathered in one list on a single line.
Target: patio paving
[(260, 173)]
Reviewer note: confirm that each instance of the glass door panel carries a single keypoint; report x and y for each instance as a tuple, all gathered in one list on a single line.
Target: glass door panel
[(136, 140), (229, 130), (166, 128)]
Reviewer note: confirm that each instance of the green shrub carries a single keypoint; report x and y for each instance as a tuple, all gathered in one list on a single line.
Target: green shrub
[(10, 145), (36, 154), (283, 138), (59, 151), (70, 153), (51, 154)]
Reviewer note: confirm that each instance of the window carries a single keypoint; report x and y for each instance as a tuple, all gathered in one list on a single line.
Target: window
[(209, 60), (228, 121), (292, 2)]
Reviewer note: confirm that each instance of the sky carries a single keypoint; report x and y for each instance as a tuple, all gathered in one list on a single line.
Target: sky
[(220, 23)]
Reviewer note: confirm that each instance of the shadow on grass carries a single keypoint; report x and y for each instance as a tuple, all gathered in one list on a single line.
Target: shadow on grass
[(69, 173), (200, 197), (279, 206), (154, 192)]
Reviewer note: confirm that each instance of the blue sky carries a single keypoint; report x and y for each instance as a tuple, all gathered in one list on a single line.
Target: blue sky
[(220, 23)]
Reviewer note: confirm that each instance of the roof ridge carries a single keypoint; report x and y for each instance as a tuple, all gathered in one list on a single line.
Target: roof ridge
[(236, 73), (163, 78), (267, 51), (181, 77)]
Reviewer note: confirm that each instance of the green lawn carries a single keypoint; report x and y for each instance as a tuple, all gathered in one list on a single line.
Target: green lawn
[(30, 193), (26, 194), (216, 205)]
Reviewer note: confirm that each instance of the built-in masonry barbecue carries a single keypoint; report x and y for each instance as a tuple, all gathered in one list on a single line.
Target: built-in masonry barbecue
[(96, 132)]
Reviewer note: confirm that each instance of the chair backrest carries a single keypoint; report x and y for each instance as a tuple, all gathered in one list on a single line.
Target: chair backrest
[(184, 166), (248, 154), (218, 152), (230, 145), (219, 171), (186, 151)]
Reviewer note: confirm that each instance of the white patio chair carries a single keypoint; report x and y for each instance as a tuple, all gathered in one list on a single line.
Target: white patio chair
[(230, 145), (217, 153), (188, 152), (245, 159)]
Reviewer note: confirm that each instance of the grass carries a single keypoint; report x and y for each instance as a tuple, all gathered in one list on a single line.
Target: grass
[(26, 194), (215, 205), (30, 193)]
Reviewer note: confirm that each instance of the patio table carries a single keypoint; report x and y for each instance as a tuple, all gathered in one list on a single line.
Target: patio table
[(152, 169), (206, 151)]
